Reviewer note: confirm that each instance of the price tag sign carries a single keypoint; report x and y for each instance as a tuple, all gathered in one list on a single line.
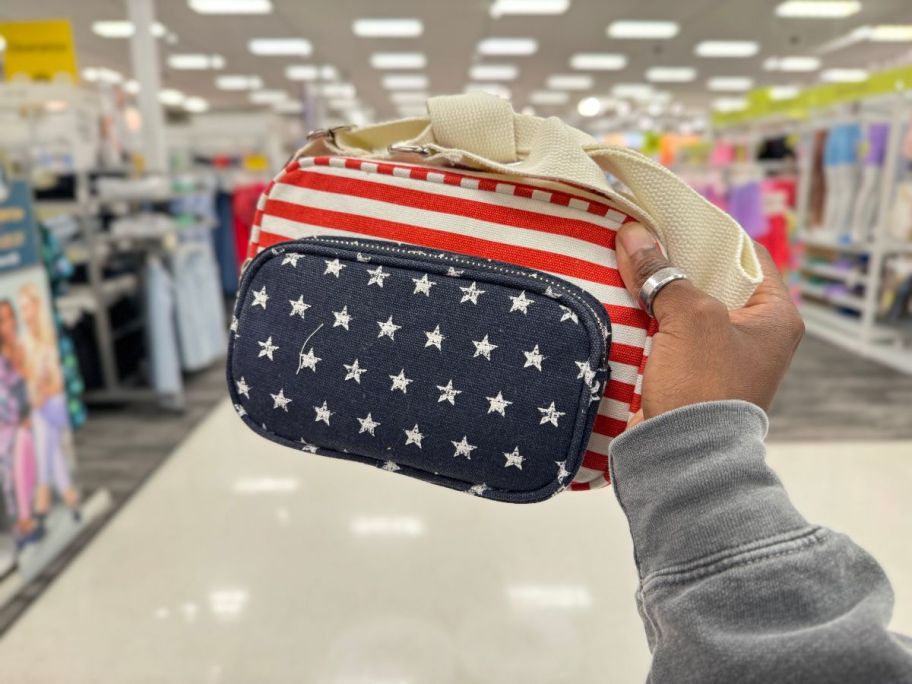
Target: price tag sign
[(39, 50)]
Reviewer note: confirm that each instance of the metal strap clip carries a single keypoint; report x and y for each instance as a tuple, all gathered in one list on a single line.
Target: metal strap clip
[(328, 133), (421, 150)]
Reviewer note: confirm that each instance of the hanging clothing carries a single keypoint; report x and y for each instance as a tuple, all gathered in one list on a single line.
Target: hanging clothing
[(199, 310), (223, 243), (161, 335), (244, 204), (745, 204)]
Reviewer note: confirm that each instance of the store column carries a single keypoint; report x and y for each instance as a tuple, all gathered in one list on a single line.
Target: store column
[(144, 54)]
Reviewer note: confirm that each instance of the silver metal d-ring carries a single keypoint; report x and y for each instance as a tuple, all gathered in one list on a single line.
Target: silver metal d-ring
[(422, 150), (654, 285), (328, 133)]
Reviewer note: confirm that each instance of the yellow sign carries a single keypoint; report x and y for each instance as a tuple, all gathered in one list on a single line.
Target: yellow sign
[(39, 50), (255, 162)]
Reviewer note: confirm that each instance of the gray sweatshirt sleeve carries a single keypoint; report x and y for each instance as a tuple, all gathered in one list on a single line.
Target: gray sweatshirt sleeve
[(735, 585)]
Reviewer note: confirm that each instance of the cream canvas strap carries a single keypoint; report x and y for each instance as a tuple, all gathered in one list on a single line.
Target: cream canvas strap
[(480, 131)]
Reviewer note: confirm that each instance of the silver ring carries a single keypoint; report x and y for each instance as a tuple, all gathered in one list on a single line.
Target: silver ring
[(655, 283)]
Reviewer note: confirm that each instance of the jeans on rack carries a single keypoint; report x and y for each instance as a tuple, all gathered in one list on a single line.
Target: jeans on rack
[(161, 335)]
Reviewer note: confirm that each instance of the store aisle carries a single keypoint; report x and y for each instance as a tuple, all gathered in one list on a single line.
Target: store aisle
[(245, 562)]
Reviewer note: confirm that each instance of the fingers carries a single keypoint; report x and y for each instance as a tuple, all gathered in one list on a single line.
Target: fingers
[(639, 257), (773, 287)]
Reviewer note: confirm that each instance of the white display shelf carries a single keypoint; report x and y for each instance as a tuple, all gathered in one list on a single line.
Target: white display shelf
[(848, 301), (822, 270)]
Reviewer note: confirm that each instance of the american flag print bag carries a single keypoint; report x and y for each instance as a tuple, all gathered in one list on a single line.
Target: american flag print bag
[(472, 181)]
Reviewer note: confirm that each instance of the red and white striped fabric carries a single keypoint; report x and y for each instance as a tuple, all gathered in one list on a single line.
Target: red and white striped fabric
[(548, 226)]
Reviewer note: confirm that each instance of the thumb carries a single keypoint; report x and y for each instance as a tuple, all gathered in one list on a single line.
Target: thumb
[(639, 257)]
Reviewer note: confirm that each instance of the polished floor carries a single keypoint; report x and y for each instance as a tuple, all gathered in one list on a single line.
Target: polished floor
[(245, 562)]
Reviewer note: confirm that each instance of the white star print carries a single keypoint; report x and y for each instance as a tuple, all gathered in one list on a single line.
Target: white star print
[(308, 447), (470, 294), (586, 373), (498, 404), (363, 259), (377, 276), (514, 458), (549, 292), (423, 285), (368, 425), (280, 400), (291, 258), (260, 298), (243, 387), (454, 273), (240, 410), (568, 315), (413, 436), (267, 348), (550, 415), (333, 267), (463, 448), (449, 394), (400, 382), (298, 307), (343, 318), (234, 324), (521, 303), (388, 329), (390, 466), (308, 360), (483, 348), (354, 371), (534, 358), (323, 413), (478, 489), (434, 338), (562, 472)]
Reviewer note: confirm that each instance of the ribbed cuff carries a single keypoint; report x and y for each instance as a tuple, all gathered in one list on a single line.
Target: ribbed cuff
[(694, 482)]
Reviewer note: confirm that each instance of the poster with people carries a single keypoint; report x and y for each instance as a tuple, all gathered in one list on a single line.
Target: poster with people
[(40, 497)]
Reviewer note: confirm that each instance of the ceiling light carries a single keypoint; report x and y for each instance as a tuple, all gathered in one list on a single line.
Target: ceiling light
[(783, 92), (548, 97), (405, 82), (490, 88), (493, 72), (529, 7), (727, 48), (346, 90), (671, 74), (196, 61), (388, 28), (655, 109), (123, 29), (302, 72), (131, 86), (643, 29), (598, 61), (102, 75), (268, 96), (343, 104), (196, 105), (231, 6), (569, 82), (398, 60), (792, 64), (818, 9), (731, 84), (238, 82), (891, 33), (729, 104), (508, 46), (844, 75), (633, 91), (171, 97), (269, 47), (409, 97), (591, 106)]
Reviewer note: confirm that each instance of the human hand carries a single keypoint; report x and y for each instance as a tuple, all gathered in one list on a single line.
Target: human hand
[(702, 351)]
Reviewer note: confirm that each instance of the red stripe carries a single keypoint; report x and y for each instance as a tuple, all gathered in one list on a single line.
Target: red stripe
[(428, 237), (485, 183), (625, 353), (595, 461), (444, 204), (605, 425), (580, 486), (622, 391)]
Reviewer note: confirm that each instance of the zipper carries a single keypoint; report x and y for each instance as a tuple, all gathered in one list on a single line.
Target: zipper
[(483, 264)]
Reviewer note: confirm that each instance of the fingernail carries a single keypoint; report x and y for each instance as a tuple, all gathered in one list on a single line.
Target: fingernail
[(634, 237)]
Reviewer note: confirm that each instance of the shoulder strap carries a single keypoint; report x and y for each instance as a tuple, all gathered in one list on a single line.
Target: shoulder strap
[(483, 132)]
